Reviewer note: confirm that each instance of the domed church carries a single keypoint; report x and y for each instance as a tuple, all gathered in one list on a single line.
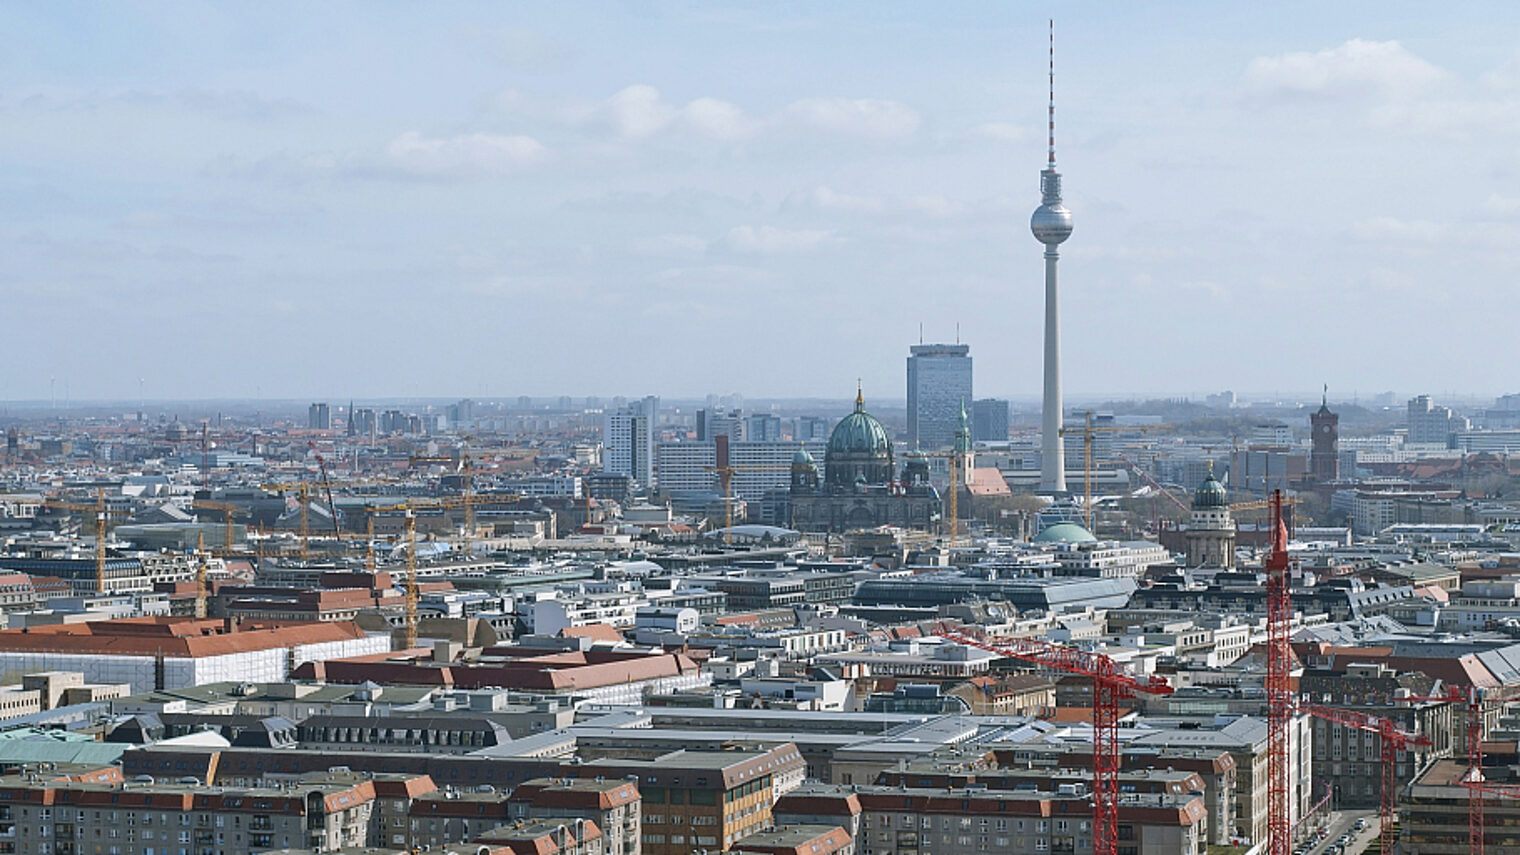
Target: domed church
[(860, 487), (1211, 531)]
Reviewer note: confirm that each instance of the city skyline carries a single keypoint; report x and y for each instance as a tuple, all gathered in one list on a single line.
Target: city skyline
[(473, 190)]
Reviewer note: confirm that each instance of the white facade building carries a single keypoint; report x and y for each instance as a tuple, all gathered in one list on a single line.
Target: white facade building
[(628, 444)]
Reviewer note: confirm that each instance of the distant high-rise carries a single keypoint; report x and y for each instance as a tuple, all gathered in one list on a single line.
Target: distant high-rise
[(1051, 225), (989, 420), (319, 417), (1429, 423), (762, 427), (805, 428), (939, 382), (713, 423), (364, 422), (460, 413), (628, 440)]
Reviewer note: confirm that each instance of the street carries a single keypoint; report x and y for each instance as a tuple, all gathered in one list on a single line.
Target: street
[(1341, 822)]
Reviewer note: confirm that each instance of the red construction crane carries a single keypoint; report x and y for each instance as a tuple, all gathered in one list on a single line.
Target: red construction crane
[(327, 485), (1503, 791), (1279, 687), (1110, 685), (1155, 485), (1472, 699), (1391, 740)]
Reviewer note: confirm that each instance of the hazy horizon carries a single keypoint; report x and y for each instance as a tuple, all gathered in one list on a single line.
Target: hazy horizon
[(362, 200)]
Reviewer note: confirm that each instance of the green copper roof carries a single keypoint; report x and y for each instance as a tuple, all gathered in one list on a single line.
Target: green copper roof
[(1210, 494), (1065, 532)]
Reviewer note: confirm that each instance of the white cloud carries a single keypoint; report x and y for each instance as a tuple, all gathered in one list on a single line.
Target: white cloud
[(669, 246), (1357, 67), (638, 112), (641, 112), (1002, 132), (718, 119), (466, 154), (769, 240), (1501, 206), (859, 117), (529, 49), (826, 198), (1395, 230), (937, 206), (831, 200)]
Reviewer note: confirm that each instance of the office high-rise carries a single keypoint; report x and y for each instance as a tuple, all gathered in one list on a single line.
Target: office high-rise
[(939, 384), (319, 417), (989, 420)]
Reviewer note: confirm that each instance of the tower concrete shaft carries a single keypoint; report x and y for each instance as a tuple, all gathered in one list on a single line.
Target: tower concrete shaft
[(1052, 444)]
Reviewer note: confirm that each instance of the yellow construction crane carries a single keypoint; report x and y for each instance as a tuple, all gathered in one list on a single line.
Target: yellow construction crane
[(725, 471), (409, 631), (951, 522), (369, 553), (1263, 505), (467, 467), (230, 512), (957, 459), (200, 575), (304, 489), (101, 512), (1088, 432)]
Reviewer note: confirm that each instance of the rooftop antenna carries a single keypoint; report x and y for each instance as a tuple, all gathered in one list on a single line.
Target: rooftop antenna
[(957, 332), (920, 332), (1052, 94)]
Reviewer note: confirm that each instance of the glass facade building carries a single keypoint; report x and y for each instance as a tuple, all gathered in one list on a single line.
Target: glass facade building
[(939, 384)]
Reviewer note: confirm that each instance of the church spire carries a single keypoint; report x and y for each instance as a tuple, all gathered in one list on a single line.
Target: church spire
[(860, 397)]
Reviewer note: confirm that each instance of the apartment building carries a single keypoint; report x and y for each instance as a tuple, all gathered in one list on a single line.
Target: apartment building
[(705, 799), (615, 805), (926, 821), (61, 817)]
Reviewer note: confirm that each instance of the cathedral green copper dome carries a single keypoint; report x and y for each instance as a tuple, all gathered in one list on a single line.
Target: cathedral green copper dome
[(859, 433), (1210, 494), (859, 451)]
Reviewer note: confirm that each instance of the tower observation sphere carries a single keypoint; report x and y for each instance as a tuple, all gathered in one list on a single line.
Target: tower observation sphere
[(1051, 222)]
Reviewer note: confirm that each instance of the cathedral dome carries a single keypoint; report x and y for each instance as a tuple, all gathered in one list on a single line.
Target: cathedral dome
[(802, 458), (1210, 494), (859, 433), (859, 450)]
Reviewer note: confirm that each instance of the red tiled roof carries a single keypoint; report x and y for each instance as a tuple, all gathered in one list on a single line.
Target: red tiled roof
[(175, 638), (593, 631)]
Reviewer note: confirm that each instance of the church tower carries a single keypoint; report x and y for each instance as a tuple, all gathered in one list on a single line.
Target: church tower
[(1211, 529), (1324, 459)]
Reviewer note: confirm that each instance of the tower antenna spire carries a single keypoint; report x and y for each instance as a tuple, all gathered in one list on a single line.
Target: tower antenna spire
[(1052, 94)]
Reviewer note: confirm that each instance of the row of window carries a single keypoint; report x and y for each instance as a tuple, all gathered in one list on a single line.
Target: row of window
[(964, 823)]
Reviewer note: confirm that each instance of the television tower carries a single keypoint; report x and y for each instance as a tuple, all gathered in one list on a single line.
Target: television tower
[(1051, 225)]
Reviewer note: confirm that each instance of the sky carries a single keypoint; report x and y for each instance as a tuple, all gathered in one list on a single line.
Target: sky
[(338, 200)]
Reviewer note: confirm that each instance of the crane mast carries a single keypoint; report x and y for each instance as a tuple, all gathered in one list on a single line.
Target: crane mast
[(1279, 688), (411, 580)]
